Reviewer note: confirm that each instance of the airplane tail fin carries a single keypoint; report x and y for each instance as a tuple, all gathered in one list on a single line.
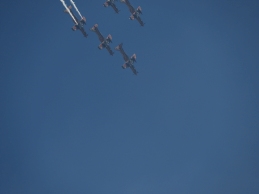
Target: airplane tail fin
[(69, 7)]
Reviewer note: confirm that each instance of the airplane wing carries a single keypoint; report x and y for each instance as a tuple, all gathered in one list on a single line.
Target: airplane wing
[(83, 20), (132, 10), (74, 28), (133, 58)]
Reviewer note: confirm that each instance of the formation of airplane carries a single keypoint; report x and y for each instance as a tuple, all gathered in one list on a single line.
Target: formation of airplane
[(135, 14), (128, 61), (112, 4), (105, 42)]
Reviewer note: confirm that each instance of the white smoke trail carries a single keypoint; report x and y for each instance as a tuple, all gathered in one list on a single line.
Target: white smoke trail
[(76, 8), (63, 2)]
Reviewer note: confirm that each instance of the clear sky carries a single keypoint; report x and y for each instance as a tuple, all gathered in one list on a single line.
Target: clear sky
[(73, 121)]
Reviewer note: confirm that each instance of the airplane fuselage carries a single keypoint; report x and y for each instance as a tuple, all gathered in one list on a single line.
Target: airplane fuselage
[(105, 43)]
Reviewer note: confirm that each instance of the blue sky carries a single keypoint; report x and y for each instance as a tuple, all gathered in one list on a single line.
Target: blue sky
[(73, 121)]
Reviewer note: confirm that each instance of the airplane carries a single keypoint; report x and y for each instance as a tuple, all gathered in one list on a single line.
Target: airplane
[(128, 61), (104, 42), (112, 4), (80, 23), (135, 13)]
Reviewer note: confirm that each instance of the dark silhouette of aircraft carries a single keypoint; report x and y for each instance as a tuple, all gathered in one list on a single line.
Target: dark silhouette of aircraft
[(128, 61), (135, 13), (104, 42), (112, 4), (79, 24)]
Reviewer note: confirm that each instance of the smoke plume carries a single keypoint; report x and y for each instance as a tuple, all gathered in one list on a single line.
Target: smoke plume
[(76, 8), (63, 2)]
